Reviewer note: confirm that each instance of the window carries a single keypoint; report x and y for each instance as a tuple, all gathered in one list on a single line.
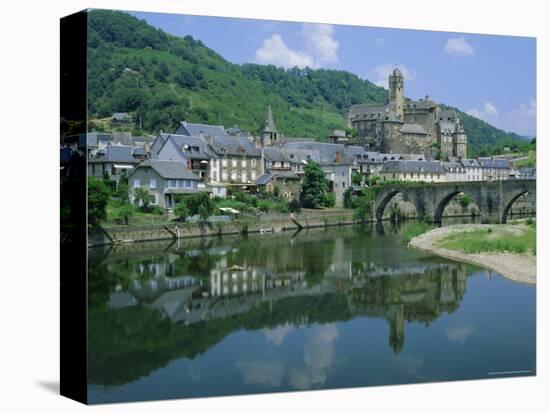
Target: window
[(343, 185), (243, 163), (136, 183), (234, 163), (224, 162), (244, 176), (233, 175), (253, 163), (253, 175), (224, 175), (187, 183), (152, 183)]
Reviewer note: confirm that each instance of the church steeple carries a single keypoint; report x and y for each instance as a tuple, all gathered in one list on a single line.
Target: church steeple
[(269, 134)]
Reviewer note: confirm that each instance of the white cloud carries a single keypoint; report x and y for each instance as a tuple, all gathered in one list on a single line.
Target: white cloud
[(258, 372), (277, 335), (320, 47), (458, 46), (320, 42), (274, 51), (459, 333), (381, 73), (523, 120), (489, 112)]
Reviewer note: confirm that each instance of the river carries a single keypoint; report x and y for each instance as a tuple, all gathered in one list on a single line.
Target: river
[(324, 308)]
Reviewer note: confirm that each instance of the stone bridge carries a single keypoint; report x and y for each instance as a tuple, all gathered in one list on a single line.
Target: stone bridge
[(494, 198)]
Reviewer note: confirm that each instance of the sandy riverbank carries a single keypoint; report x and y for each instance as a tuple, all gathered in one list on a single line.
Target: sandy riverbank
[(514, 266)]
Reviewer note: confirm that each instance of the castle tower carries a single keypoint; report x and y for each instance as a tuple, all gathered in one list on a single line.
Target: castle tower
[(269, 134), (397, 92)]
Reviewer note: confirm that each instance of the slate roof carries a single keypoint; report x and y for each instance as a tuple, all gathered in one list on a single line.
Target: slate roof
[(493, 163), (407, 166), (187, 146), (269, 125), (172, 170), (413, 129), (232, 145), (363, 110), (121, 116), (264, 179), (452, 166), (470, 162), (327, 152), (423, 104), (117, 153), (188, 128)]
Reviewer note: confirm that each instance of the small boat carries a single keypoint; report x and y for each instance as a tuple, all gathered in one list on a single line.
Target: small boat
[(235, 267), (267, 230)]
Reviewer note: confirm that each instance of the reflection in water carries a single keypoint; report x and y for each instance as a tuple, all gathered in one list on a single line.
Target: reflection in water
[(151, 304)]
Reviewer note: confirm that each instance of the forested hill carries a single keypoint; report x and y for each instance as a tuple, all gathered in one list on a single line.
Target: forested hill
[(162, 79)]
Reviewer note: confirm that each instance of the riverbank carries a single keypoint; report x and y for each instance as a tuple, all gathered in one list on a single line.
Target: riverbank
[(263, 223), (450, 242)]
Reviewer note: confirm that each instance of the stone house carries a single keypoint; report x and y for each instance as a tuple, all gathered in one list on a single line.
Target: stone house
[(115, 160), (192, 152), (164, 180), (454, 170), (408, 170), (237, 163)]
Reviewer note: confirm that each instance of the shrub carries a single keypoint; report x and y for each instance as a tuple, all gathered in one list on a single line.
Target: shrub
[(329, 200)]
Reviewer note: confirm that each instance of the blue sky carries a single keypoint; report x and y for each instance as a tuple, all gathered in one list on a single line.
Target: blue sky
[(491, 77)]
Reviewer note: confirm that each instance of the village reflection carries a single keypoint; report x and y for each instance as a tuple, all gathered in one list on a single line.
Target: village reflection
[(153, 303)]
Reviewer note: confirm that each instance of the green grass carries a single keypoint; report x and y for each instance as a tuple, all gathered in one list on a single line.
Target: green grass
[(494, 239), (412, 230)]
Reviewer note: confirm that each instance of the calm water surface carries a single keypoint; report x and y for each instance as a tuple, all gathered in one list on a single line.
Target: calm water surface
[(327, 308)]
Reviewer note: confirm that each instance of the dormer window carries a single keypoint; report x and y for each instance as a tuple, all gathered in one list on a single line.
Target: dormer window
[(243, 151), (224, 151)]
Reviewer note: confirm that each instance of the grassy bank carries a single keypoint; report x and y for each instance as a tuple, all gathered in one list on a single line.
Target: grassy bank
[(518, 238), (412, 230)]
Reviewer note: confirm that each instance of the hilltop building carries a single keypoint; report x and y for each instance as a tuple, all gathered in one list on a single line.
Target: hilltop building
[(406, 126)]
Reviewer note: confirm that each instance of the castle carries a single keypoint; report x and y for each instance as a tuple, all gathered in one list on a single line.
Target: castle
[(406, 127)]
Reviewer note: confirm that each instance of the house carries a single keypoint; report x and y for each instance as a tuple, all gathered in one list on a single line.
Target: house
[(409, 170), (119, 118), (165, 180), (193, 152), (336, 160), (454, 170), (494, 168), (338, 136), (472, 168), (115, 160), (236, 165)]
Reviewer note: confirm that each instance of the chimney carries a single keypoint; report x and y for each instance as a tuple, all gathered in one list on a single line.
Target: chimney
[(337, 158)]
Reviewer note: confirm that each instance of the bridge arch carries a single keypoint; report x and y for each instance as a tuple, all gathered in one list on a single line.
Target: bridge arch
[(383, 200), (507, 205), (446, 199)]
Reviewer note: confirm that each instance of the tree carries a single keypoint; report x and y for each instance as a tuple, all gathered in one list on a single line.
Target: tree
[(357, 179), (315, 185), (330, 200), (98, 197), (182, 211), (195, 201), (124, 212), (365, 207), (143, 198)]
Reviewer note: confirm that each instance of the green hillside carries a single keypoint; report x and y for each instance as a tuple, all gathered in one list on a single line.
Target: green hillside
[(162, 79)]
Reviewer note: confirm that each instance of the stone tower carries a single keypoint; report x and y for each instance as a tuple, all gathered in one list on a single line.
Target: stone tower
[(269, 134), (397, 93)]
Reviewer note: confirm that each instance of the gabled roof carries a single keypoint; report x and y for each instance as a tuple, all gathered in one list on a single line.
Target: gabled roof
[(329, 154), (264, 179), (188, 128), (117, 153), (470, 162), (187, 147), (172, 170)]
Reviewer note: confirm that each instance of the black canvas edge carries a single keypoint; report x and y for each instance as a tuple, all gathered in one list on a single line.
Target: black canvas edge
[(73, 202)]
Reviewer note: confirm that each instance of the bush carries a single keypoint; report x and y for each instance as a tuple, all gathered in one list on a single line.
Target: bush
[(294, 206), (98, 197), (182, 211), (329, 200), (415, 229)]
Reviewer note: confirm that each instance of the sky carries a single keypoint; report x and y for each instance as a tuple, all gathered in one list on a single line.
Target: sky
[(491, 77)]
